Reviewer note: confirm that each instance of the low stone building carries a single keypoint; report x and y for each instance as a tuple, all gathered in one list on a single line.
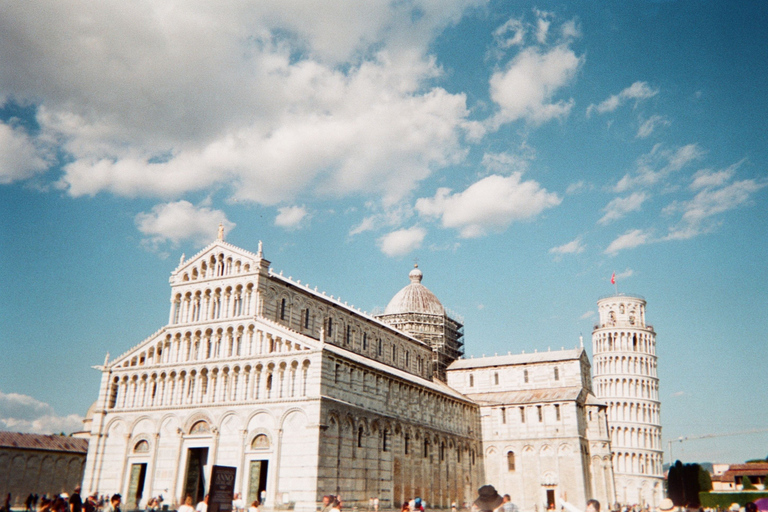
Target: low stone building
[(39, 464), (545, 435)]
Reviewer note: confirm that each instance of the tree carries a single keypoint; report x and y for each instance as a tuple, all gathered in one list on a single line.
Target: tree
[(685, 481), (705, 480), (747, 484), (675, 489)]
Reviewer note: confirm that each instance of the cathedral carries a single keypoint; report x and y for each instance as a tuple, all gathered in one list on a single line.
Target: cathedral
[(305, 396)]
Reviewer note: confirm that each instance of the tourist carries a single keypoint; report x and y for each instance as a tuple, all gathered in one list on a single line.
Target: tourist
[(75, 501), (488, 499), (254, 506), (91, 503), (203, 505), (327, 503), (238, 504), (507, 505), (406, 507), (666, 505), (114, 503), (187, 506), (336, 507)]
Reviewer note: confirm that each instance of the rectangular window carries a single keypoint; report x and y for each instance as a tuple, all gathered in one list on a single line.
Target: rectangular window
[(557, 373), (365, 341), (349, 334), (306, 318), (525, 376), (496, 378), (557, 412), (282, 309), (522, 414), (330, 327), (541, 413), (503, 415)]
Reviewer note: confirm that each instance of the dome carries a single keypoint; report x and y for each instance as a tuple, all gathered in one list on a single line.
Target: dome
[(414, 298)]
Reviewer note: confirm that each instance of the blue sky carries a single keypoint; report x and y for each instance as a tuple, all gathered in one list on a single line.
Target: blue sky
[(520, 152)]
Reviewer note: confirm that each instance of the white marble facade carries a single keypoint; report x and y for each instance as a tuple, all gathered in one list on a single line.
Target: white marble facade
[(545, 435), (306, 395), (624, 350), (300, 392)]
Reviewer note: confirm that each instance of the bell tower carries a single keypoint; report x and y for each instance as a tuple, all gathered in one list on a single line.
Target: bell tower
[(625, 378)]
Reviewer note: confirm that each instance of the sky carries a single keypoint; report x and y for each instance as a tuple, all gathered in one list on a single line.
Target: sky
[(520, 153)]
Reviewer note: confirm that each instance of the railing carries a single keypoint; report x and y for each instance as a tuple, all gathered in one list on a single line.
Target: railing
[(626, 295)]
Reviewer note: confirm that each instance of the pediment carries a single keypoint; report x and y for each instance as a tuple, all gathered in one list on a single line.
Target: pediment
[(218, 259)]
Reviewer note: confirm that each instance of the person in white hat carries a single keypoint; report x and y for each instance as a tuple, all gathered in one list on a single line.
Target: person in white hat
[(666, 505)]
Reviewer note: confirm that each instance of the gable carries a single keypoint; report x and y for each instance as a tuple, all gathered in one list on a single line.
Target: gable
[(219, 259)]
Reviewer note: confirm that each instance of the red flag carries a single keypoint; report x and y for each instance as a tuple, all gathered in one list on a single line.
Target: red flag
[(613, 278)]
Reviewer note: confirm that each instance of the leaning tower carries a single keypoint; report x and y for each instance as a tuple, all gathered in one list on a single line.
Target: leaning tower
[(624, 353)]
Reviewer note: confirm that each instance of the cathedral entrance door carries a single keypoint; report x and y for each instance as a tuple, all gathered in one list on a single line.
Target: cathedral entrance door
[(257, 479), (194, 481), (136, 485), (550, 499)]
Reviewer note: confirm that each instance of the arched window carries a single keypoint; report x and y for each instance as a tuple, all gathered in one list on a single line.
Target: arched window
[(141, 447), (510, 461), (360, 437), (261, 441), (385, 440), (282, 309)]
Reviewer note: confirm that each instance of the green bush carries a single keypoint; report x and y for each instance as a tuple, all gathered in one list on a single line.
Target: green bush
[(724, 499)]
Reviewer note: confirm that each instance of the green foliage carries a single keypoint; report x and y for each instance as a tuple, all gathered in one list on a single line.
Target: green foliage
[(724, 499), (746, 484), (705, 480)]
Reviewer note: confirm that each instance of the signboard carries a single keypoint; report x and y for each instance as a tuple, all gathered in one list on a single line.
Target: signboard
[(222, 489)]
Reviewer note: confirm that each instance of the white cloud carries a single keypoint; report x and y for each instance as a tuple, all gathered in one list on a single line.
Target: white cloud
[(575, 188), (367, 224), (637, 91), (20, 157), (270, 99), (627, 273), (588, 314), (526, 88), (655, 166), (505, 162), (175, 222), (648, 126), (290, 217), (617, 208), (629, 240), (490, 204), (402, 241), (575, 246), (22, 413), (706, 178), (715, 194), (511, 33), (710, 202)]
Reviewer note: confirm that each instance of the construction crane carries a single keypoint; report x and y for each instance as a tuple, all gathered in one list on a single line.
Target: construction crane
[(707, 436)]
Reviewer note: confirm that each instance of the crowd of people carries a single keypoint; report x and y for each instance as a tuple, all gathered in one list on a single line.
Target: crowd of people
[(488, 500)]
